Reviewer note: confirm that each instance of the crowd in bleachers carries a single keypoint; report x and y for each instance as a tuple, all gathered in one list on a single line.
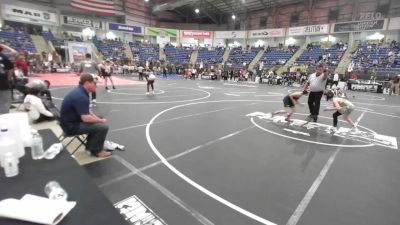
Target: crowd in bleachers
[(177, 54), (210, 57), (143, 51), (377, 58), (111, 49), (16, 39), (274, 56), (315, 54), (239, 58)]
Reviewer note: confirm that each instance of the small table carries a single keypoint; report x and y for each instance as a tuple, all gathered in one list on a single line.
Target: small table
[(92, 206)]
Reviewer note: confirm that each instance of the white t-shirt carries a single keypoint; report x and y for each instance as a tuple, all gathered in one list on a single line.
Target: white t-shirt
[(35, 106), (317, 83), (336, 77)]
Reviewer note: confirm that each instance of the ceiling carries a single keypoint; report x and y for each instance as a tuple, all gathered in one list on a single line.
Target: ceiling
[(217, 10)]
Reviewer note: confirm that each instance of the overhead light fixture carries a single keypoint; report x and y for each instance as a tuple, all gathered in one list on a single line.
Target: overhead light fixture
[(233, 16), (197, 11), (146, 0)]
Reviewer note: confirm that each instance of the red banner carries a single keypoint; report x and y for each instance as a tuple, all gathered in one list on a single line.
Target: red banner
[(196, 34)]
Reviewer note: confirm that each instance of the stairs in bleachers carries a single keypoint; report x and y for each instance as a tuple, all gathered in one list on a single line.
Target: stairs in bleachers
[(256, 59), (128, 51), (292, 60), (98, 57), (226, 55), (162, 54), (40, 43), (345, 61), (193, 57)]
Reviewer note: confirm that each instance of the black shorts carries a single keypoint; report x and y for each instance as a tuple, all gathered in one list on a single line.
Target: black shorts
[(287, 102)]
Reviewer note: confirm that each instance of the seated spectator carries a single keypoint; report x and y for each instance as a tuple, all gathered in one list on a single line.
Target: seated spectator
[(37, 111), (77, 119)]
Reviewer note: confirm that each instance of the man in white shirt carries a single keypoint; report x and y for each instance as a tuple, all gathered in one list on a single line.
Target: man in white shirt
[(316, 83), (335, 80)]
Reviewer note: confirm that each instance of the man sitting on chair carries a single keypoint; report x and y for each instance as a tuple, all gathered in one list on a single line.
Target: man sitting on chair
[(76, 118)]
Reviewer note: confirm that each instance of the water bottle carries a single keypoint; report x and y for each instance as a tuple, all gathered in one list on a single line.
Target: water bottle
[(7, 144), (10, 165), (54, 191), (37, 145)]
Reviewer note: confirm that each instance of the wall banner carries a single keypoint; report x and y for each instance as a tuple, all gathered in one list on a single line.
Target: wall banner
[(81, 22), (309, 30), (266, 33), (27, 15), (195, 34), (230, 34), (359, 26), (125, 28), (154, 31)]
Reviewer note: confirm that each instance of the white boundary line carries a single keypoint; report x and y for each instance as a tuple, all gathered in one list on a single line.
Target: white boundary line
[(313, 142), (190, 181), (300, 209)]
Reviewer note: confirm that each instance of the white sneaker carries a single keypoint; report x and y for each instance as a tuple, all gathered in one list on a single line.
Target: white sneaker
[(152, 92), (355, 130), (147, 93), (94, 101)]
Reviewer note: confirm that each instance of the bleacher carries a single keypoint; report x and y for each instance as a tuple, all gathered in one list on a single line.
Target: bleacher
[(210, 57), (112, 50), (377, 58), (315, 53), (237, 57), (181, 55), (144, 52), (20, 41), (276, 56)]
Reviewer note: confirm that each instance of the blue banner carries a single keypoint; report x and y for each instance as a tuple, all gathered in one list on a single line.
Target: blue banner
[(125, 28)]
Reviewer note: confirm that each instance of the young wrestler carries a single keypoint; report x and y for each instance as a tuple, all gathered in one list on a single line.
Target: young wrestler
[(289, 102), (342, 107)]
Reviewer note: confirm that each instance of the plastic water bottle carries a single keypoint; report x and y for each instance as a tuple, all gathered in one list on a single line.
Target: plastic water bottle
[(7, 144), (37, 145), (11, 165), (54, 191)]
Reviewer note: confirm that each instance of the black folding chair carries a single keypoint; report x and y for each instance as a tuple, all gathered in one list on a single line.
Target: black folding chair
[(81, 138)]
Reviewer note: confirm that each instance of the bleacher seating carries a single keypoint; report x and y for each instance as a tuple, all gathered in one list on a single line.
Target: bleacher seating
[(276, 56), (210, 57), (144, 52), (373, 57), (315, 53), (112, 50), (20, 41), (237, 57), (181, 55)]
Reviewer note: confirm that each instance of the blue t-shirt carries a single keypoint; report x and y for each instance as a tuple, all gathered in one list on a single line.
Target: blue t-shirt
[(75, 104)]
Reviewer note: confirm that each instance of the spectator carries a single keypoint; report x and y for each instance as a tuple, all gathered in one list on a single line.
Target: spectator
[(77, 119)]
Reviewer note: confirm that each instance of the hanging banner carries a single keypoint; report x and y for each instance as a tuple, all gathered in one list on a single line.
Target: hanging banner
[(154, 31), (27, 15), (81, 22), (125, 28), (309, 30), (359, 26), (394, 23), (266, 33), (195, 34), (230, 34)]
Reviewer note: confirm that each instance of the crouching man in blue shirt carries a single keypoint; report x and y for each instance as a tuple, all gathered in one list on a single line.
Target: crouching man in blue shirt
[(76, 118)]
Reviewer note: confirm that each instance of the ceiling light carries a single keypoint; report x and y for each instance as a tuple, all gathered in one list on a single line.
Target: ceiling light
[(146, 0), (233, 17), (197, 11)]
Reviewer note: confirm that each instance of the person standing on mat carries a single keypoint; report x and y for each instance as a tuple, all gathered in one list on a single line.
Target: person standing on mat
[(106, 71), (90, 67), (150, 78), (316, 82), (76, 118)]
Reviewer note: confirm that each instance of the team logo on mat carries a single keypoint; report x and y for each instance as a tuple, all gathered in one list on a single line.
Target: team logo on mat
[(137, 213), (319, 133)]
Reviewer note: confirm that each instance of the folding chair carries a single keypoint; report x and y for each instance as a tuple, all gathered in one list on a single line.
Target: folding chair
[(64, 135)]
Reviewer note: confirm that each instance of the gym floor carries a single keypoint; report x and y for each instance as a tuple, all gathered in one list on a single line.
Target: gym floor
[(206, 152)]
